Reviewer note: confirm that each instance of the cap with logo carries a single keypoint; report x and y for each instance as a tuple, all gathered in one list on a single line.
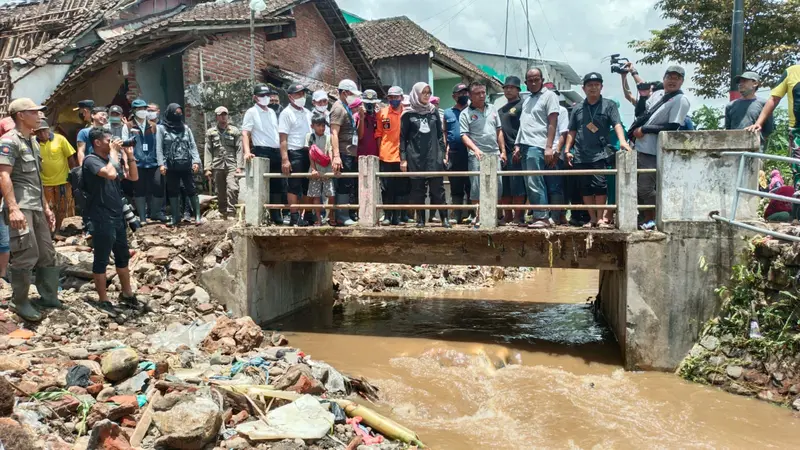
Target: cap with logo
[(24, 104), (460, 87), (349, 85), (221, 110), (42, 126), (675, 69), (592, 76), (115, 109), (99, 109), (319, 95), (261, 89), (513, 81), (139, 103), (84, 104), (295, 88), (748, 76), (395, 90), (370, 96)]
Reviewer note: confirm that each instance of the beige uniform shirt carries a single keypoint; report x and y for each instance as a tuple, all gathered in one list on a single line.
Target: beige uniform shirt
[(223, 148), (24, 157)]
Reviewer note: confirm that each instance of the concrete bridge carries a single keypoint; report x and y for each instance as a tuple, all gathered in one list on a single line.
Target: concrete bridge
[(656, 288)]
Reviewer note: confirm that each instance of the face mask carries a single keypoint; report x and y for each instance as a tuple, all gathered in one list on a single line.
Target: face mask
[(263, 101), (300, 102), (395, 103), (321, 108), (463, 100), (274, 106), (82, 115), (141, 114), (151, 115), (350, 99), (114, 120), (746, 92)]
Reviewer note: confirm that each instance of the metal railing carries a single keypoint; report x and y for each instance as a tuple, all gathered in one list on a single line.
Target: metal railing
[(256, 191), (742, 190)]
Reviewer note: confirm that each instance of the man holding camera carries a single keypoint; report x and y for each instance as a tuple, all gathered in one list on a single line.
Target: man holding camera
[(25, 210), (102, 174)]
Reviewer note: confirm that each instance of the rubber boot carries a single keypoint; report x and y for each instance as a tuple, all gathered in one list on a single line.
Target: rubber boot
[(458, 213), (445, 219), (395, 217), (294, 219), (20, 284), (420, 218), (198, 215), (186, 207), (175, 211), (157, 209), (275, 214), (47, 285), (141, 208), (343, 215)]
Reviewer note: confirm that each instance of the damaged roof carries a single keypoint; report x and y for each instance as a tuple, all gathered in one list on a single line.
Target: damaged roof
[(400, 36)]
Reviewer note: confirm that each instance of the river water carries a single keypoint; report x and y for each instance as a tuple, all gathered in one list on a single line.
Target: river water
[(524, 365)]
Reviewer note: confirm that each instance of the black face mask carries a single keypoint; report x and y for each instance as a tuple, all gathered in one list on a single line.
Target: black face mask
[(82, 115), (274, 106), (463, 100)]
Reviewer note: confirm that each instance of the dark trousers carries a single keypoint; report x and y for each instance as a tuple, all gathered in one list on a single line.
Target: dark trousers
[(276, 185), (393, 189), (347, 186), (109, 236), (174, 180), (433, 186), (459, 186), (149, 184), (573, 194)]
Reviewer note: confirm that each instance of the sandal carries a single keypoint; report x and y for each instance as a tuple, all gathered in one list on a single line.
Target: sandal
[(604, 225), (589, 225)]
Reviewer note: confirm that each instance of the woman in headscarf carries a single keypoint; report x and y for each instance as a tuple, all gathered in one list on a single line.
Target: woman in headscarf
[(178, 158), (422, 149), (775, 180)]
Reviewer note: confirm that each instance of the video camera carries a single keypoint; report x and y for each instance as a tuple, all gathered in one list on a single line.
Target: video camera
[(618, 64), (654, 85)]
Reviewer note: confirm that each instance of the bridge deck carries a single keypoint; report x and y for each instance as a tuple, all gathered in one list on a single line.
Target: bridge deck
[(559, 247)]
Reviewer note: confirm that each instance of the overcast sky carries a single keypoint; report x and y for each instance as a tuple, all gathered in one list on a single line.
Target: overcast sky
[(579, 32)]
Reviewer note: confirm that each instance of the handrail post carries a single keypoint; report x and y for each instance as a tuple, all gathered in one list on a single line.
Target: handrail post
[(369, 192), (739, 177), (256, 191), (488, 192), (627, 201)]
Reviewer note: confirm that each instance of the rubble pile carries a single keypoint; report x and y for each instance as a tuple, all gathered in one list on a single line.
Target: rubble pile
[(175, 371)]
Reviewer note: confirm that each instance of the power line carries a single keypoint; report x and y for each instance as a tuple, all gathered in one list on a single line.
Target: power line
[(447, 22), (553, 35), (449, 8), (530, 30)]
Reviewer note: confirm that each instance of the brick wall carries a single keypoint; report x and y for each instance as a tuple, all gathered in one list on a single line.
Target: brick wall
[(133, 86), (226, 58)]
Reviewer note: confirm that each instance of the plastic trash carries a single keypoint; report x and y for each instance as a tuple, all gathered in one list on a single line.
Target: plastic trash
[(79, 376), (362, 431), (177, 334), (305, 418), (330, 377), (147, 365), (339, 416), (257, 362), (755, 330)]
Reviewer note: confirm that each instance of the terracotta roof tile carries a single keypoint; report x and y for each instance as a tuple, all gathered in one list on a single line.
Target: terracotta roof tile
[(400, 36)]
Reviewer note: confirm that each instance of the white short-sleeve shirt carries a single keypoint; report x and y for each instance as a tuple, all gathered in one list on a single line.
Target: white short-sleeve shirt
[(294, 123), (262, 126)]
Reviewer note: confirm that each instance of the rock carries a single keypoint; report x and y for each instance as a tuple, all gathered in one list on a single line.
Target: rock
[(734, 371), (107, 435), (236, 443), (768, 396), (716, 360), (77, 390), (76, 352), (391, 282), (709, 342), (159, 255), (12, 432), (106, 394), (14, 364), (794, 389), (94, 389), (716, 378), (299, 379), (102, 411), (6, 397), (204, 308), (738, 389), (796, 404), (186, 421), (94, 366), (696, 351), (200, 296), (230, 336), (186, 290), (778, 376), (120, 363), (218, 359), (65, 407), (133, 385)]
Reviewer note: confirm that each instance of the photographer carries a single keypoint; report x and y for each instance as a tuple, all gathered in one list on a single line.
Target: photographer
[(102, 175), (644, 89)]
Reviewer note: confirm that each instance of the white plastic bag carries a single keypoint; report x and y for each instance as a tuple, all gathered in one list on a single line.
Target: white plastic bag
[(304, 418), (177, 334)]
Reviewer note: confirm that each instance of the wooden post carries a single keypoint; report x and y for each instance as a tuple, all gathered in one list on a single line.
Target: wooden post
[(256, 192), (369, 191), (627, 202), (488, 194)]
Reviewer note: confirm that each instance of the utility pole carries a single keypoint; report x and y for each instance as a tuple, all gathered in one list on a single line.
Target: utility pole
[(737, 46), (505, 48), (252, 48), (528, 35)]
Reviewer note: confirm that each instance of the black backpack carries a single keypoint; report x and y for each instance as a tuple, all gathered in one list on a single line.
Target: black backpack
[(179, 155)]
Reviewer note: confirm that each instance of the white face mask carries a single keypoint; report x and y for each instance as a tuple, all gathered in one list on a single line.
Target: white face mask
[(350, 99), (263, 101), (300, 102), (151, 115), (321, 108), (141, 114)]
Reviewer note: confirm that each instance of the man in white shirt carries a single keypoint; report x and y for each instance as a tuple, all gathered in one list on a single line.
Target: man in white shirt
[(293, 128), (260, 138)]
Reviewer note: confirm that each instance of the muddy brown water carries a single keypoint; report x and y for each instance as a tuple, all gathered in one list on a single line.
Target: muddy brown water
[(435, 360)]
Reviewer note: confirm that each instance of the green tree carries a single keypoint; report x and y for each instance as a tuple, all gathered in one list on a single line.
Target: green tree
[(708, 118), (778, 144), (700, 33)]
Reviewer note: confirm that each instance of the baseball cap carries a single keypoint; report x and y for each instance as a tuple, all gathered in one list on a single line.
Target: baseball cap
[(115, 109), (261, 89), (513, 82), (748, 76), (592, 76), (42, 126), (370, 96), (675, 69), (221, 110), (99, 109), (24, 104), (84, 104), (319, 95), (395, 90), (460, 87), (295, 88), (349, 85), (139, 103)]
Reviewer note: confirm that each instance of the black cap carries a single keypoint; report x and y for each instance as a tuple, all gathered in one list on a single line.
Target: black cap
[(295, 88), (460, 87), (513, 82), (592, 76), (98, 109), (85, 104), (260, 89)]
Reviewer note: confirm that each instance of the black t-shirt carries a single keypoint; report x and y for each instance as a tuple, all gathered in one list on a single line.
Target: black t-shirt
[(591, 140), (104, 196), (509, 119)]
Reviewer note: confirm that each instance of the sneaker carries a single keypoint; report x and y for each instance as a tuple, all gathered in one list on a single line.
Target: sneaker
[(539, 224), (648, 226)]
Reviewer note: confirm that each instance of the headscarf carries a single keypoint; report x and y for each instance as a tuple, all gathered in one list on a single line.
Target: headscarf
[(416, 105), (173, 122), (775, 180)]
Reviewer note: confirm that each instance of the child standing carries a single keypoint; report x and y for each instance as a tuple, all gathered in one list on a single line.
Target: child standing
[(320, 155)]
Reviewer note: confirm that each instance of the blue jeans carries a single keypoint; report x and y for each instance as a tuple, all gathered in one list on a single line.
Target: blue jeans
[(474, 165), (542, 190), (4, 238)]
